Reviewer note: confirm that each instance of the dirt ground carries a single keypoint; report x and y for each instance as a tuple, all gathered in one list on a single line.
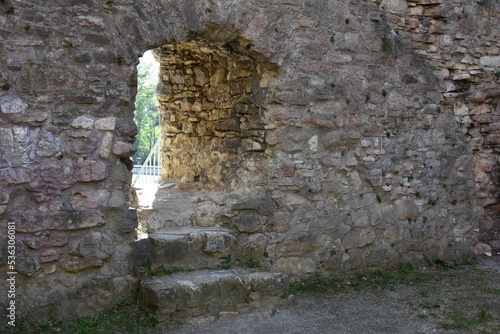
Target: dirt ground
[(465, 300)]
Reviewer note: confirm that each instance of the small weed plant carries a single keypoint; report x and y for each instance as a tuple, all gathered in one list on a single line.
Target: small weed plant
[(252, 263), (124, 317)]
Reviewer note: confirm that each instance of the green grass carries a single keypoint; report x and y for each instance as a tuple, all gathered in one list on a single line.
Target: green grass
[(492, 291), (226, 262), (460, 320), (252, 263), (321, 283), (382, 278), (124, 317), (405, 273)]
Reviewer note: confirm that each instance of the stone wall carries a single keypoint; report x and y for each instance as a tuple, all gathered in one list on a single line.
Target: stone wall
[(366, 144), (211, 106), (460, 42)]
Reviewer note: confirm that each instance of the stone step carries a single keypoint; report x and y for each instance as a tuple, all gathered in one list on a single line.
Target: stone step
[(192, 247), (205, 295)]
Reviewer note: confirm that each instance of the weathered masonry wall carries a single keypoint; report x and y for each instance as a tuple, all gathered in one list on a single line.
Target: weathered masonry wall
[(355, 134), (211, 105)]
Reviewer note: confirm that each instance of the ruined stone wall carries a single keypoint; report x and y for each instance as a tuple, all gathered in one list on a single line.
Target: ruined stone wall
[(363, 157), (460, 42), (211, 105)]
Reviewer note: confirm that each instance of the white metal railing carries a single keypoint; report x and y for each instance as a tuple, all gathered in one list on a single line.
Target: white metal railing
[(149, 172)]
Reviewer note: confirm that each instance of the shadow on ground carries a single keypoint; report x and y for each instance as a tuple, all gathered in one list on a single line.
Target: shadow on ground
[(465, 300)]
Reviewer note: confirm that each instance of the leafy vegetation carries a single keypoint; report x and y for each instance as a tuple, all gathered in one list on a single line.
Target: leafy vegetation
[(382, 278), (226, 262), (124, 317), (146, 113), (252, 263)]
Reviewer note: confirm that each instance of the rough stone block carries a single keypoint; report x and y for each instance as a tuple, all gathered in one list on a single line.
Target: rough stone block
[(210, 293), (105, 124), (91, 170), (12, 104), (106, 144), (83, 122), (124, 150), (4, 197), (48, 255), (51, 77), (247, 222), (47, 240)]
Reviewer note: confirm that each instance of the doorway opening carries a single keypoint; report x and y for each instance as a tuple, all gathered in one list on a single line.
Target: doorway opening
[(147, 164), (211, 104)]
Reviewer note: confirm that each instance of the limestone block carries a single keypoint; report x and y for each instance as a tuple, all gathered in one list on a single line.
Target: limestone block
[(492, 139), (262, 204), (406, 209), (89, 251), (26, 263), (117, 199), (399, 6), (366, 237), (48, 145), (482, 164), (202, 75), (106, 144), (4, 197), (217, 242), (123, 149), (91, 170), (482, 249), (83, 122), (15, 175), (481, 109), (228, 125), (48, 255), (490, 61), (80, 145), (92, 22), (105, 124), (250, 145), (50, 77), (319, 120), (351, 239), (313, 143), (11, 104), (46, 240), (89, 197), (295, 265), (123, 220), (83, 219), (247, 222), (80, 133)]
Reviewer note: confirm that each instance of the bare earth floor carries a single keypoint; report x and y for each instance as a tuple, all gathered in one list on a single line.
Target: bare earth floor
[(454, 301)]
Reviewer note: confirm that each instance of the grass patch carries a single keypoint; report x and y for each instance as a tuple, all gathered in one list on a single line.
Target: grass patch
[(460, 320), (252, 263), (321, 283), (492, 291), (459, 263), (226, 262), (388, 278), (124, 317), (383, 278)]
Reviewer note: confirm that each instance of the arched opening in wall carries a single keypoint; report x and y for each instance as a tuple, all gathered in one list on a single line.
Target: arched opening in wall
[(211, 102)]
